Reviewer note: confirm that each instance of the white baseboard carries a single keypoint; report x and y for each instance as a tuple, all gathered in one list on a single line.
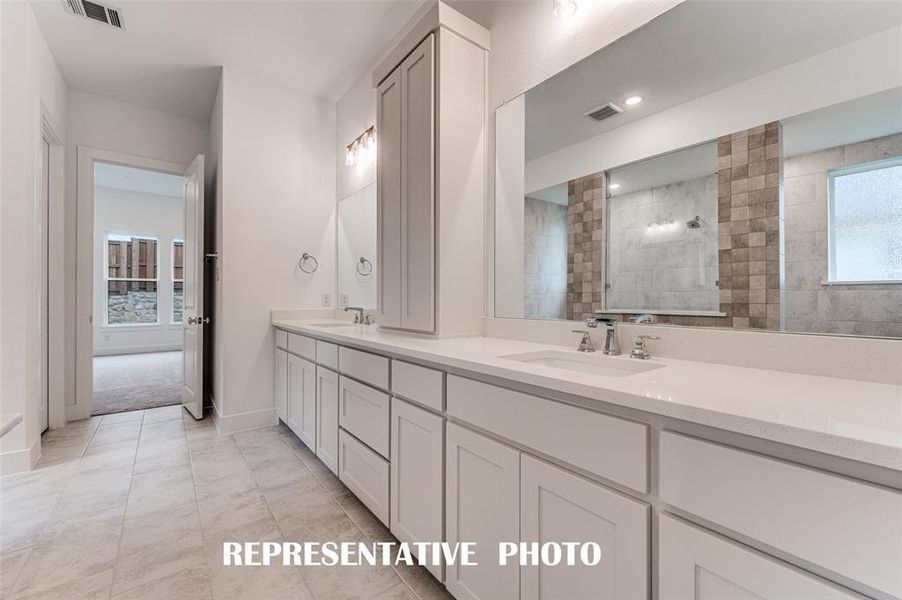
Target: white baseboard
[(228, 424), (136, 349), (17, 461)]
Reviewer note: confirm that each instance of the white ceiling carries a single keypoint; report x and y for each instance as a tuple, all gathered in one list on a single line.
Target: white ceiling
[(682, 165), (168, 55), (137, 180), (556, 194), (694, 49)]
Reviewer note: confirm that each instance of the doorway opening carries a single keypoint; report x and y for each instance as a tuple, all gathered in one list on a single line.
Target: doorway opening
[(139, 263)]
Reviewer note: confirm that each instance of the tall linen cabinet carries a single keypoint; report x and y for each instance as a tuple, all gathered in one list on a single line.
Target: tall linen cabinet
[(431, 176)]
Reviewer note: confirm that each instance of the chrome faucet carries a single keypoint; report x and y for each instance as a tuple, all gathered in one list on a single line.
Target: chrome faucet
[(358, 312), (639, 349), (585, 343), (611, 345)]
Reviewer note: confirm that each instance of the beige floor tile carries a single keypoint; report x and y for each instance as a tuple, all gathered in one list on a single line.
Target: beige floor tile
[(162, 431), (350, 583), (162, 455), (259, 583), (399, 592), (158, 490), (123, 417), (163, 413), (70, 551), (116, 432), (11, 564), (190, 584), (90, 587)]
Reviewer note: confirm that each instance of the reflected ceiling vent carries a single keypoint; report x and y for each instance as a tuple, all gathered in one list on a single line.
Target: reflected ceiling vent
[(94, 11), (605, 111)]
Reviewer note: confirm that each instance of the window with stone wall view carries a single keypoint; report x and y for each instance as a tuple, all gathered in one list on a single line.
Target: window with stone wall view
[(131, 280)]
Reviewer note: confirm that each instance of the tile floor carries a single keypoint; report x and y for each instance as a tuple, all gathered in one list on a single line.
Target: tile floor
[(125, 382), (136, 505)]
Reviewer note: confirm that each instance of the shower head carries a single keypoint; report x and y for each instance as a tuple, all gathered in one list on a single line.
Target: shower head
[(694, 223)]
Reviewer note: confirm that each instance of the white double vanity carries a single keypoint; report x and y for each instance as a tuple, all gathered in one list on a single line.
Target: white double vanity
[(699, 476)]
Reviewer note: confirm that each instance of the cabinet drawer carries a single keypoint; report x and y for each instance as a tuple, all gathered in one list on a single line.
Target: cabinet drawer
[(327, 354), (696, 564), (371, 368), (363, 411), (302, 346), (365, 473), (834, 522), (281, 339), (607, 446), (418, 384)]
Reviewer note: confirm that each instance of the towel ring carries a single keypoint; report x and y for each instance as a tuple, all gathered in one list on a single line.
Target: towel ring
[(367, 267), (305, 259)]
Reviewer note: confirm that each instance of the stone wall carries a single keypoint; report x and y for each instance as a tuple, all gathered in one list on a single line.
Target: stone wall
[(132, 307), (585, 241)]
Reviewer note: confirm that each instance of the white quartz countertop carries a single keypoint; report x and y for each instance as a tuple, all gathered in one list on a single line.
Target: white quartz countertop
[(857, 420)]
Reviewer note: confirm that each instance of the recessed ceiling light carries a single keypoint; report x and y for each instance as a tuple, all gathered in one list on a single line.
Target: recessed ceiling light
[(614, 186), (633, 100), (564, 8)]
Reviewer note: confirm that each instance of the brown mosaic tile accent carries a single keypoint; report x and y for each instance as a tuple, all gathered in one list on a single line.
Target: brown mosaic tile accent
[(585, 241), (749, 181)]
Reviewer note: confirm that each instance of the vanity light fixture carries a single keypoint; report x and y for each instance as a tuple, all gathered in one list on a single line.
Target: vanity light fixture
[(362, 149), (564, 8), (633, 100), (613, 186)]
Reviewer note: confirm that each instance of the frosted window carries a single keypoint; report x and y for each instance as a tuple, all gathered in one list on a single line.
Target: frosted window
[(866, 223)]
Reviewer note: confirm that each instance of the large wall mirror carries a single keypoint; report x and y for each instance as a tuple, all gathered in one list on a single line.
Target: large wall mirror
[(750, 176), (357, 249)]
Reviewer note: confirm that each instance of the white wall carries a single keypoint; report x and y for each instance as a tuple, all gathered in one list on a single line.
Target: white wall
[(277, 201), (30, 79), (213, 234), (128, 212), (355, 112)]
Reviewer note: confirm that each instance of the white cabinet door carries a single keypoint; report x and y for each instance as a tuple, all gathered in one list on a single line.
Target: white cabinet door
[(417, 448), (307, 431), (558, 506), (281, 384), (483, 506), (302, 399), (696, 564), (327, 417), (388, 201), (418, 188)]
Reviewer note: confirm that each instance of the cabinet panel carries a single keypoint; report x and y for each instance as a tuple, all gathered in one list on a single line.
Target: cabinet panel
[(419, 384), (302, 399), (482, 483), (327, 417), (696, 564), (281, 384), (417, 448), (365, 473), (369, 368), (813, 515), (611, 447), (557, 506), (327, 354), (302, 346), (363, 411), (281, 339), (388, 201), (418, 189)]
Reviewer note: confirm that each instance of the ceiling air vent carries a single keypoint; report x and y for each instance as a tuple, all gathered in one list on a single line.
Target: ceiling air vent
[(94, 11), (605, 111)]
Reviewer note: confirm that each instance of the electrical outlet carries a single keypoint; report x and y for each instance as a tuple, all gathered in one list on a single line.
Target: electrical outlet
[(326, 301), (343, 300)]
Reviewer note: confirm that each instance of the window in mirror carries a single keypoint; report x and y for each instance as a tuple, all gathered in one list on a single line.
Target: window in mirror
[(866, 222)]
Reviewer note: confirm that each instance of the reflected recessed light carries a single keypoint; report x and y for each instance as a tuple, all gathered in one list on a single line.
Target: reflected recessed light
[(614, 186), (633, 100), (564, 8)]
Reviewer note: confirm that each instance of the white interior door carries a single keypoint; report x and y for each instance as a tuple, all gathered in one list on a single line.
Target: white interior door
[(193, 311)]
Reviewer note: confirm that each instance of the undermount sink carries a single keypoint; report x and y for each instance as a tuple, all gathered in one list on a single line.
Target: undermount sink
[(332, 324), (594, 363)]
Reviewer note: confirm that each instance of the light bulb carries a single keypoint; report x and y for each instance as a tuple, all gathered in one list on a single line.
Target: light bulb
[(633, 100), (564, 8), (614, 186), (351, 155)]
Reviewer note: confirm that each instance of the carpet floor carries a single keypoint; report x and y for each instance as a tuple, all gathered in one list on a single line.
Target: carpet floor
[(136, 381)]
